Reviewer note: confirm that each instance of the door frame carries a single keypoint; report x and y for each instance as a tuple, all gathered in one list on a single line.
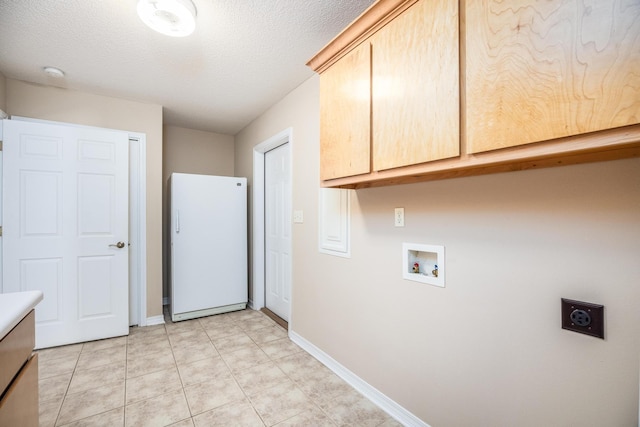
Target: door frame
[(137, 219), (257, 300), (138, 228)]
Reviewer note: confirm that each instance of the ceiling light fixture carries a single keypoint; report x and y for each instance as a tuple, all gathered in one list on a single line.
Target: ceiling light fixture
[(53, 72), (176, 18)]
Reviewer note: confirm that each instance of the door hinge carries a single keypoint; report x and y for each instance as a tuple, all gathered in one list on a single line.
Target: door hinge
[(0, 145), (0, 231)]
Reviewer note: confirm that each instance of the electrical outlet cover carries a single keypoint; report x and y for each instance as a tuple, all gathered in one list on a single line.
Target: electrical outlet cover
[(583, 317), (399, 217)]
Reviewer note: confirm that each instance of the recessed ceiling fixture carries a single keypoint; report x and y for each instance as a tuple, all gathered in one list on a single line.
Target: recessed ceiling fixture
[(176, 18), (53, 72)]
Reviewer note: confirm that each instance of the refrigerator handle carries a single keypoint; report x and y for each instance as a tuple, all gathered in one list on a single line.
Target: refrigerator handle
[(177, 220)]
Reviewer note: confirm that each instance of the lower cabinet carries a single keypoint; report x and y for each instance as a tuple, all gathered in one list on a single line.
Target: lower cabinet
[(19, 375), (19, 406)]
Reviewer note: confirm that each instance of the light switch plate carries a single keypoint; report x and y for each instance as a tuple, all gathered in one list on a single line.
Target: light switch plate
[(399, 217), (298, 217)]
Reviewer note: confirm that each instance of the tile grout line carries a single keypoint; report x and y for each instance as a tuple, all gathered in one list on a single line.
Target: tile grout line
[(66, 391), (233, 375), (184, 392), (241, 324), (274, 362)]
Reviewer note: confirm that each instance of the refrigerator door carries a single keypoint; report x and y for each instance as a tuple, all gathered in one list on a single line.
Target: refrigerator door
[(208, 245)]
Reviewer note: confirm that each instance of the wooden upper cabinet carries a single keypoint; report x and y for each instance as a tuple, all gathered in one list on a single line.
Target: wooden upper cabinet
[(415, 86), (345, 115), (544, 83), (393, 100), (541, 70)]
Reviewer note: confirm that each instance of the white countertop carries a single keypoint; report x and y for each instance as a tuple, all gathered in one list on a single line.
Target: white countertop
[(14, 306)]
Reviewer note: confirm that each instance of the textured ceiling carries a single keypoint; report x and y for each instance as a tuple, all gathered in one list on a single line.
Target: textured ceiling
[(244, 55)]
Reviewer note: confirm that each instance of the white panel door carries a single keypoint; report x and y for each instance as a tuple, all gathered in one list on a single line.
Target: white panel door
[(278, 231), (65, 212)]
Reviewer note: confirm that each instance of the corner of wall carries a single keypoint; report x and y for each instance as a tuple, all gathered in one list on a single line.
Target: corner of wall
[(3, 91)]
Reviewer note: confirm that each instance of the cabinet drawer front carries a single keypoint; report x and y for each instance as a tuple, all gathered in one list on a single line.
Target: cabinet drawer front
[(538, 71), (19, 406), (345, 113), (15, 349)]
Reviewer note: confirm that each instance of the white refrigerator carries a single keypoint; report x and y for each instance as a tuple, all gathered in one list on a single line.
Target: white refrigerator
[(208, 245)]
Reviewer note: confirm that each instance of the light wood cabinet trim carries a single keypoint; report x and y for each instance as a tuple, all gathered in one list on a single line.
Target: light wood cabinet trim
[(606, 145), (15, 349), (415, 102), (345, 116), (538, 71), (371, 20)]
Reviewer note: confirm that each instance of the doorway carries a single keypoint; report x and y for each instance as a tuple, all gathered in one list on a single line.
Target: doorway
[(259, 244)]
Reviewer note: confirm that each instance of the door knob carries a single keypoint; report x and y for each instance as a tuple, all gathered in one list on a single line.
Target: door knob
[(118, 245)]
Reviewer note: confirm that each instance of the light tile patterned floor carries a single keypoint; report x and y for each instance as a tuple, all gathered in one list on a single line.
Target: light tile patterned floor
[(234, 369)]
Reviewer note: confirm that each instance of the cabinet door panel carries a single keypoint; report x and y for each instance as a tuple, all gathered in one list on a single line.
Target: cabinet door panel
[(415, 86), (543, 70), (345, 115)]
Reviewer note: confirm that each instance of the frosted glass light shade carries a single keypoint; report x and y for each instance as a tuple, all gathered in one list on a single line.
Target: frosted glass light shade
[(175, 18)]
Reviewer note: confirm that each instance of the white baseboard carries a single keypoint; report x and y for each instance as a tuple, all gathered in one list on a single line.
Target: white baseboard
[(386, 404), (155, 320)]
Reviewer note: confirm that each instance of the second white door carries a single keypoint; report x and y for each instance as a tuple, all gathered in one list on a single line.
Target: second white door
[(278, 231)]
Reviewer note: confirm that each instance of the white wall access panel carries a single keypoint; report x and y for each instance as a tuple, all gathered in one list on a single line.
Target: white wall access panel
[(334, 222)]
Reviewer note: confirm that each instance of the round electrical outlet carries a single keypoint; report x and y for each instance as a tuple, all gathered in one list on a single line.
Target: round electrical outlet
[(580, 317)]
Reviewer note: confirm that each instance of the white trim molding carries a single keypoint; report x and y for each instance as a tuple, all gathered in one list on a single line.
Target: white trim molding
[(138, 230), (392, 408), (154, 320)]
